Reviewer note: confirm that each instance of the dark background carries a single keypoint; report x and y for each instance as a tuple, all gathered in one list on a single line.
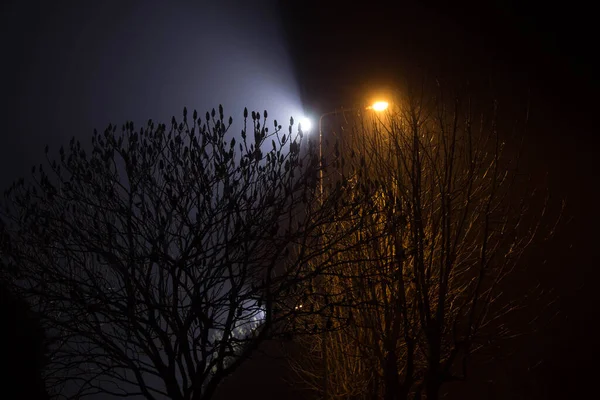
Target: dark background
[(518, 53), (72, 66)]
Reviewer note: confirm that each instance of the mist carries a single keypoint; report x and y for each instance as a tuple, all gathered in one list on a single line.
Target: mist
[(78, 66)]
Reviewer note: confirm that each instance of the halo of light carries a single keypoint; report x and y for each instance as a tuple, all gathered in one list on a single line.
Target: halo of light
[(305, 124)]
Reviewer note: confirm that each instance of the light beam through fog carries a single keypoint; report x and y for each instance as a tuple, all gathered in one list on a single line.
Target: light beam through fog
[(91, 64)]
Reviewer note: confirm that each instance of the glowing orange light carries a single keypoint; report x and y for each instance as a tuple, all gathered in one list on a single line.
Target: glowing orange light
[(380, 106)]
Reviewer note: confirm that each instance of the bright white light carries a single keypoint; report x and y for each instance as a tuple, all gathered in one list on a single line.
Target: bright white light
[(305, 124)]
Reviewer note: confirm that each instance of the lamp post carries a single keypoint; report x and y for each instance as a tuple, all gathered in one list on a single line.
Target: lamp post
[(378, 106)]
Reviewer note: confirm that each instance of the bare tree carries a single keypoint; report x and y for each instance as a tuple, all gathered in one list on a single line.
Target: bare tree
[(162, 259), (450, 217)]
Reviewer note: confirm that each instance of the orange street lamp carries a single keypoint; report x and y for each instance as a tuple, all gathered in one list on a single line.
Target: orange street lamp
[(378, 106)]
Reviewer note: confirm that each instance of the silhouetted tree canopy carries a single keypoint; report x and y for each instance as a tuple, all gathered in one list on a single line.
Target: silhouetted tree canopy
[(161, 258), (424, 287)]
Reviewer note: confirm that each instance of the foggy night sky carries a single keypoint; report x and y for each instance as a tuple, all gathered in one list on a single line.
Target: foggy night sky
[(71, 66), (79, 65)]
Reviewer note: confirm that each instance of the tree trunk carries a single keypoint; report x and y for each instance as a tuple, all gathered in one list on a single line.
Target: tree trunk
[(391, 377), (432, 389), (374, 387), (433, 377)]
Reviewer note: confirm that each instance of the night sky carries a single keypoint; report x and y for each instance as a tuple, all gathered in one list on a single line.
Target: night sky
[(71, 66)]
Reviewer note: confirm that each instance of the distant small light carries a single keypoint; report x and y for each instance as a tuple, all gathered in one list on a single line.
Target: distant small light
[(380, 106), (305, 124)]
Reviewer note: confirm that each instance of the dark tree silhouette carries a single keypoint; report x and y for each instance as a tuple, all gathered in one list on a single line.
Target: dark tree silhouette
[(23, 348), (450, 217), (159, 261)]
